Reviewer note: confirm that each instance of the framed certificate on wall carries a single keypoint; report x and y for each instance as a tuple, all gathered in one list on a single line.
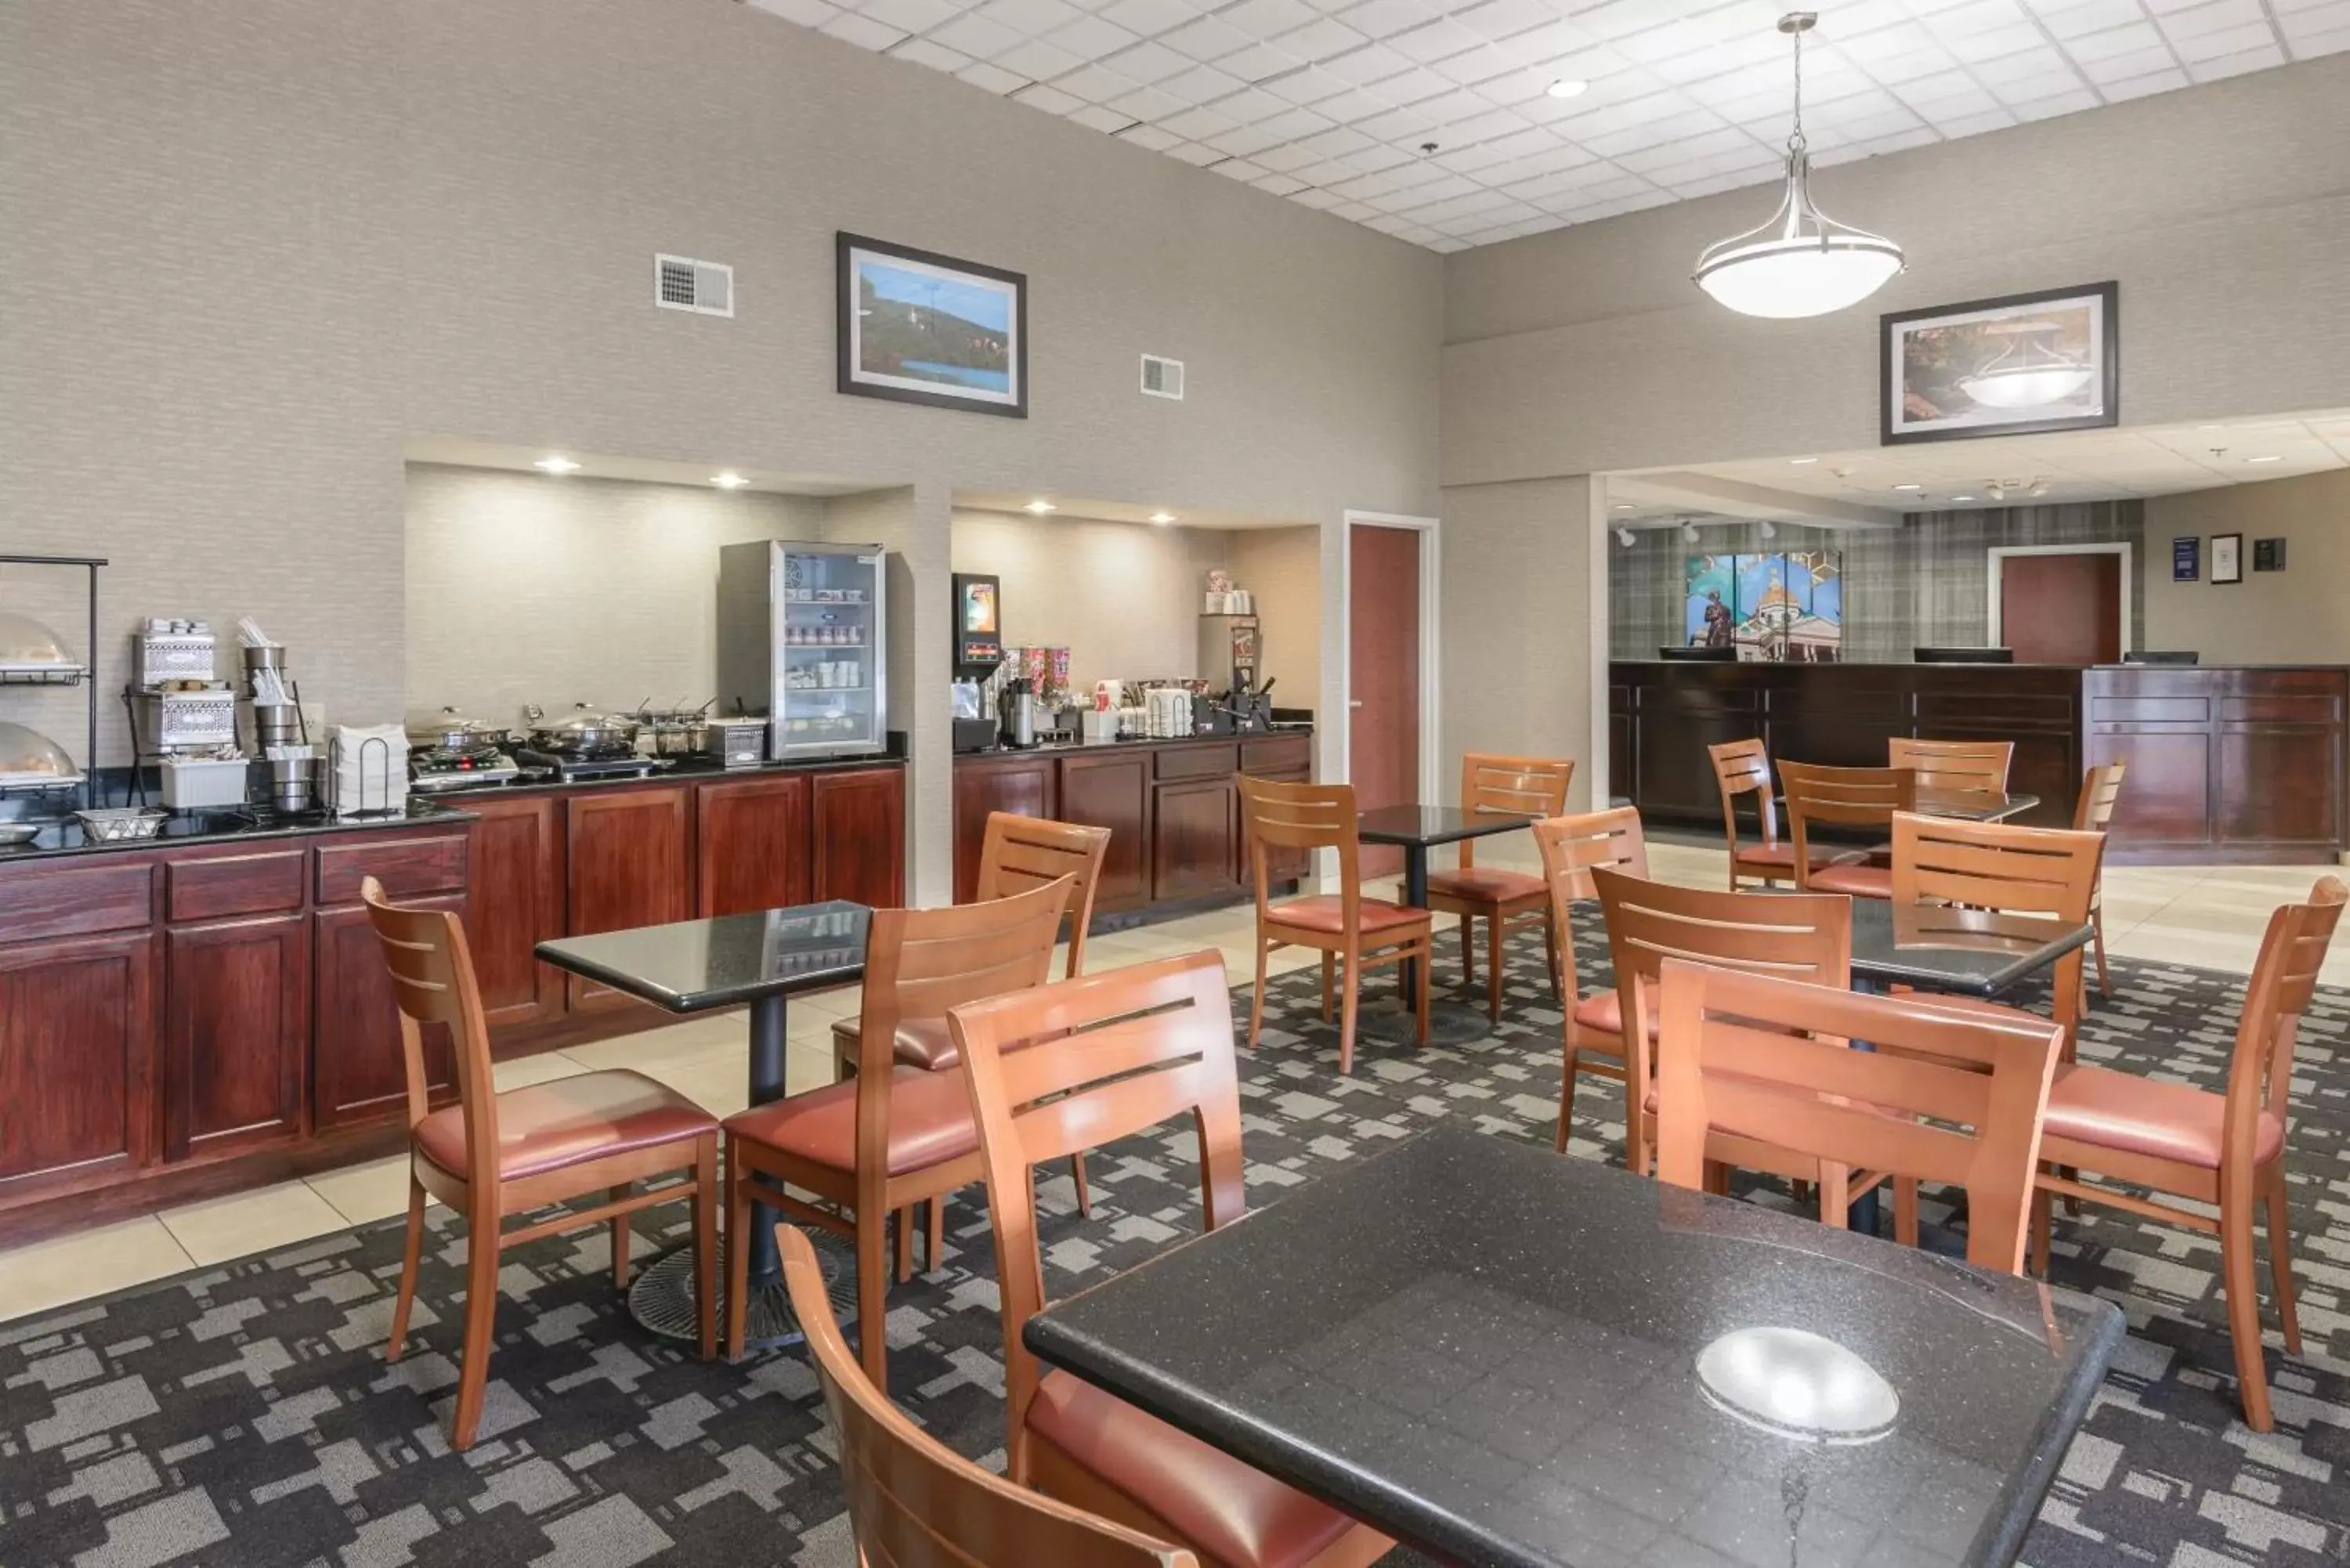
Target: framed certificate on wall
[(2227, 557)]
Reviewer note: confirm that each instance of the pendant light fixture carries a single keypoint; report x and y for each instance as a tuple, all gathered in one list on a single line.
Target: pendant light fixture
[(1802, 261)]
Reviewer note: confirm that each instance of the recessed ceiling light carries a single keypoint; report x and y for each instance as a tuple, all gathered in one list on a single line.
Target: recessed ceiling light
[(1962, 498), (2266, 457), (1799, 461), (730, 480), (1567, 87), (556, 465), (1162, 518), (1909, 487), (1040, 507)]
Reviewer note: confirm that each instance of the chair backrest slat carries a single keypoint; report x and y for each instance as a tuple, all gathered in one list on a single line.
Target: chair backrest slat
[(2101, 790), (432, 981), (1734, 1059), (1511, 786), (1278, 815), (2283, 981), (2050, 871), (1971, 766), (1019, 853), (1572, 848), (1846, 797), (1743, 768), (913, 1502)]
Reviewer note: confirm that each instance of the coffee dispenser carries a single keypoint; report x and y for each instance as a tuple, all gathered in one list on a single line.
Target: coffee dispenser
[(978, 649)]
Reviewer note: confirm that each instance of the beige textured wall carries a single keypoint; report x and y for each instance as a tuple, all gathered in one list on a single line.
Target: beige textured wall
[(1122, 598), (2300, 615), (527, 589), (1283, 568)]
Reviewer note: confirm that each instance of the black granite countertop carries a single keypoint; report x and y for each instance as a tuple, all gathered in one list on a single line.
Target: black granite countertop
[(184, 830), (690, 769), (689, 966), (1135, 743), (1503, 1356)]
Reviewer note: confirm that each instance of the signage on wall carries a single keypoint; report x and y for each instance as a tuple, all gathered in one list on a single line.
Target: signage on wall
[(2227, 557), (2268, 554), (2187, 558)]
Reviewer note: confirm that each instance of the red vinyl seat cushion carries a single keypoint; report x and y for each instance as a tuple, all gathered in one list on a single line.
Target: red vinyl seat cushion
[(1860, 881), (1328, 913), (930, 1123), (2124, 1111), (1485, 884), (547, 1126), (922, 1043), (1604, 1010)]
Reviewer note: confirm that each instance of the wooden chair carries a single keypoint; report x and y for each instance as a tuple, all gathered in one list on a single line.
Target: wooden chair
[(1959, 767), (913, 1502), (1362, 933), (1572, 848), (1018, 853), (493, 1154), (1793, 935), (1843, 797), (1743, 768), (893, 1136), (1507, 786), (2101, 788), (1741, 1054), (1074, 1065), (2225, 1151)]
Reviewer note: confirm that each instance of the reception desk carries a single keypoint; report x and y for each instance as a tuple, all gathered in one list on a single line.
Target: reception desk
[(2227, 764)]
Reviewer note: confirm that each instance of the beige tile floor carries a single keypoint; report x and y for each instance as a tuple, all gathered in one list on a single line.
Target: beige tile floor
[(2207, 915)]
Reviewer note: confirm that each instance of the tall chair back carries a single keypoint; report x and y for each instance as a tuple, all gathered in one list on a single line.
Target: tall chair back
[(1083, 1063), (1743, 768), (1511, 786), (2101, 790), (2285, 978), (1572, 849), (913, 1502), (1306, 816), (432, 979), (1972, 768), (1842, 797), (1023, 852), (1765, 1059)]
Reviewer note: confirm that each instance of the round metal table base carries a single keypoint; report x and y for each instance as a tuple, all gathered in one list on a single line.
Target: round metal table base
[(661, 1297), (1449, 1023)]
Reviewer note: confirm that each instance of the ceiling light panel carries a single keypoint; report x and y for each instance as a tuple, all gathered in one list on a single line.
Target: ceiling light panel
[(1685, 98)]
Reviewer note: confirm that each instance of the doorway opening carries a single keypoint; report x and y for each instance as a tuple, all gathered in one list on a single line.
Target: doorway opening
[(2061, 603)]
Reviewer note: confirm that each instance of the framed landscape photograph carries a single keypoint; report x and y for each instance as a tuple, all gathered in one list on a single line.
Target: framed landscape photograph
[(917, 327), (2014, 366), (2227, 557)]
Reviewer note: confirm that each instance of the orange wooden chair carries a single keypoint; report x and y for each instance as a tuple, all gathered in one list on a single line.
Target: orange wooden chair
[(1955, 767), (1074, 1065), (1571, 847), (1346, 929), (492, 1156), (2226, 1151), (893, 1136), (1742, 1054), (913, 1502), (1843, 797), (1794, 936), (1506, 786), (2101, 790), (1743, 768)]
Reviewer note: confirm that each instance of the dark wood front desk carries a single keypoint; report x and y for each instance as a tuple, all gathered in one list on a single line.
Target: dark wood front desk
[(2243, 765)]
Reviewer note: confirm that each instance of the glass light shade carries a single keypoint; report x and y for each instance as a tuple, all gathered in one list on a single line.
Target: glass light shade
[(1802, 262)]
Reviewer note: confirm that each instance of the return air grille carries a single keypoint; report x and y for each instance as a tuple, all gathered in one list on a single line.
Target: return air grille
[(680, 283), (1162, 378)]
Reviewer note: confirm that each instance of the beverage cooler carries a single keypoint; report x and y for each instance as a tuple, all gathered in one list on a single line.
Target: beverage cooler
[(803, 636)]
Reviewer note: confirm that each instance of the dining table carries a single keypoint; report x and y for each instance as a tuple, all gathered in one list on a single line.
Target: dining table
[(761, 959), (1973, 804), (1416, 829), (1502, 1357)]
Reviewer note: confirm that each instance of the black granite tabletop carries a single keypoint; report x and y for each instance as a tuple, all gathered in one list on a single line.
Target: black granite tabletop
[(1425, 825), (1970, 952), (1973, 805), (691, 966), (190, 830), (1503, 1356)]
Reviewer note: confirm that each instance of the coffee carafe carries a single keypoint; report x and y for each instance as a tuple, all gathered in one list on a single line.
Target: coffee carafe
[(1016, 712)]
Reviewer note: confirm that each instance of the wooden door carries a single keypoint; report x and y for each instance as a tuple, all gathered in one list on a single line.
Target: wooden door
[(751, 836), (627, 851), (77, 1059), (2060, 609), (1112, 791), (1383, 614), (357, 1072), (1195, 838), (236, 1033), (517, 902), (1023, 786), (857, 823)]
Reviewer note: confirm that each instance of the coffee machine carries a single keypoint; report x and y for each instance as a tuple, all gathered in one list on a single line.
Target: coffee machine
[(978, 649)]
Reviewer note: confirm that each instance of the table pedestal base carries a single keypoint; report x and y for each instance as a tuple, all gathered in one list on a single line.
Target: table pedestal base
[(662, 1301), (1448, 1024)]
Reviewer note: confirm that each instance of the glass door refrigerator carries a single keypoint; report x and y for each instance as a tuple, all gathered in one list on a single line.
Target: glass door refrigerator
[(803, 639)]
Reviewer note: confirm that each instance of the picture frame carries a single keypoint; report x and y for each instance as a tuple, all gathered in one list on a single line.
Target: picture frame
[(2021, 364), (915, 327), (2187, 558), (2227, 557), (2268, 554)]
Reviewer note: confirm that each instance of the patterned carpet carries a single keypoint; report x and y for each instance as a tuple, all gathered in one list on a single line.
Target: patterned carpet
[(242, 1415)]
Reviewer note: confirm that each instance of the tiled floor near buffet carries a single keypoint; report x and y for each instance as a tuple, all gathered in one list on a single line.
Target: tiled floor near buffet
[(2209, 917)]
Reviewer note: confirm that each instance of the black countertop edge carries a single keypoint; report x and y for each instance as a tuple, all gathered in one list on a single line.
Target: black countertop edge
[(1916, 664), (1140, 743), (2001, 1535), (695, 775), (218, 828)]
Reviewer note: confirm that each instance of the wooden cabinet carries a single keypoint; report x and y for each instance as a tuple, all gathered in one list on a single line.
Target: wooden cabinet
[(628, 866), (1026, 784), (752, 840), (516, 901), (76, 1060), (356, 1065), (1286, 759), (857, 836), (1195, 838), (1109, 790), (236, 1033)]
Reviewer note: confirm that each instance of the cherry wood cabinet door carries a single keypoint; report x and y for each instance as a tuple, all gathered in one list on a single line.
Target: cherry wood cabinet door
[(76, 1060), (1023, 786), (752, 838), (517, 902), (1195, 838), (1112, 792), (858, 836), (630, 866), (357, 1072), (236, 1033)]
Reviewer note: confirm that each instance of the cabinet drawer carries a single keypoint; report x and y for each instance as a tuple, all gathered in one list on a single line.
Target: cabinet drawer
[(219, 886), (407, 868), (75, 900), (1284, 755), (1198, 762)]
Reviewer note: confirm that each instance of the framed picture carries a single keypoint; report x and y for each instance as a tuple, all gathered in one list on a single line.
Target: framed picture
[(2187, 558), (2268, 554), (2015, 365), (917, 328), (2227, 557)]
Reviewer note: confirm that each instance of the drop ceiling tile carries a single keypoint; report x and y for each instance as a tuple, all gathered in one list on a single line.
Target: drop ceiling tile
[(1093, 38), (2168, 78), (1995, 43), (1149, 136), (1149, 63), (1481, 63), (1036, 95), (1707, 145), (1355, 211), (2129, 66), (938, 57), (1242, 141), (1383, 18), (1416, 84), (1238, 169), (1320, 39), (1431, 41), (1321, 201), (2076, 20), (1197, 124), (2315, 34), (863, 31), (1280, 184), (2257, 58), (1150, 104), (975, 36), (1374, 63), (1037, 59), (1946, 94), (806, 13), (1975, 124), (1148, 17), (1505, 18), (1097, 84), (1202, 84), (1251, 105), (1094, 117), (1034, 18), (911, 15), (2030, 63), (1205, 38), (1263, 19)]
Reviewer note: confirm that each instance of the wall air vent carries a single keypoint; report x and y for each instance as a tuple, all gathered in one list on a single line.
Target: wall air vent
[(680, 283), (1162, 378)]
